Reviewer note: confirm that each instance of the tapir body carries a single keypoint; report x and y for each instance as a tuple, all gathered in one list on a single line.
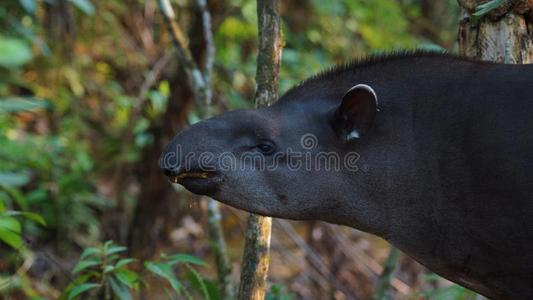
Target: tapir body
[(444, 165)]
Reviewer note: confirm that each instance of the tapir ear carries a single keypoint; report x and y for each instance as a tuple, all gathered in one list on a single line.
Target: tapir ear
[(356, 114)]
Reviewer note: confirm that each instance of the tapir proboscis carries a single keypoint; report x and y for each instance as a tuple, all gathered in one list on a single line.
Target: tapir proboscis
[(432, 152)]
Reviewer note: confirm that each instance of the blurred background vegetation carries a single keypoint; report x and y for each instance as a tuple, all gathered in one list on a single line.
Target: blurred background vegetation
[(90, 92)]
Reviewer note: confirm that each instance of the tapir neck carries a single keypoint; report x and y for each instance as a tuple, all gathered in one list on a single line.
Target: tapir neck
[(388, 171), (395, 188)]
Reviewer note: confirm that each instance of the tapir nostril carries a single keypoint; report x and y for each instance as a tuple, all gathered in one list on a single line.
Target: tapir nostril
[(170, 172), (168, 164)]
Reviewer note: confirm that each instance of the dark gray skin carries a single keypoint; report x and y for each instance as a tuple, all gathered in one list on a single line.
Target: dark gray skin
[(445, 171)]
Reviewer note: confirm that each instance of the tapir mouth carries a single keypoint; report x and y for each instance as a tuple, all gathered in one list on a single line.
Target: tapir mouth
[(198, 181), (191, 175)]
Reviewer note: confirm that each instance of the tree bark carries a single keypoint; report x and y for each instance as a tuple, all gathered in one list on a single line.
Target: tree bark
[(257, 244), (503, 35)]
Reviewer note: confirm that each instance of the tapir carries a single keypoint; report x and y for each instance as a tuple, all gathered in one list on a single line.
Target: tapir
[(431, 152)]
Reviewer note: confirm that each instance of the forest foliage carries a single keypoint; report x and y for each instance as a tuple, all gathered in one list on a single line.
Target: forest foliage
[(90, 91)]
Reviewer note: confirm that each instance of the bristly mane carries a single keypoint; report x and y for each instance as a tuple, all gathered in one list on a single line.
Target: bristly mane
[(373, 59)]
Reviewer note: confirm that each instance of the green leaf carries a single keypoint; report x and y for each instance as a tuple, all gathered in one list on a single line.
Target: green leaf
[(85, 6), (485, 8), (185, 258), (21, 104), (29, 5), (29, 215), (89, 252), (164, 271), (212, 289), (127, 277), (84, 264), (197, 282), (13, 179), (451, 292), (193, 118), (158, 101), (17, 196), (164, 88), (276, 293), (107, 245), (141, 126), (82, 288), (78, 281), (9, 223), (14, 52), (108, 269), (124, 262), (2, 205), (112, 258), (10, 230), (115, 249), (120, 290)]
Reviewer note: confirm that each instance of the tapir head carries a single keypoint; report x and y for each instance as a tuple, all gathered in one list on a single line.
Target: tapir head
[(295, 159)]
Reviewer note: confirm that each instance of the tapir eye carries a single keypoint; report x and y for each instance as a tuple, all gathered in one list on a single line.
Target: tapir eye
[(266, 147)]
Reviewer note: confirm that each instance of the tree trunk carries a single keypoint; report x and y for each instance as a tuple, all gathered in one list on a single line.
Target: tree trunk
[(502, 35), (257, 244)]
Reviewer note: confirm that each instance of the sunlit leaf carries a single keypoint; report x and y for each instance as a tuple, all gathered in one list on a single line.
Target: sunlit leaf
[(127, 277), (14, 52), (10, 231), (82, 288), (12, 239), (164, 88)]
